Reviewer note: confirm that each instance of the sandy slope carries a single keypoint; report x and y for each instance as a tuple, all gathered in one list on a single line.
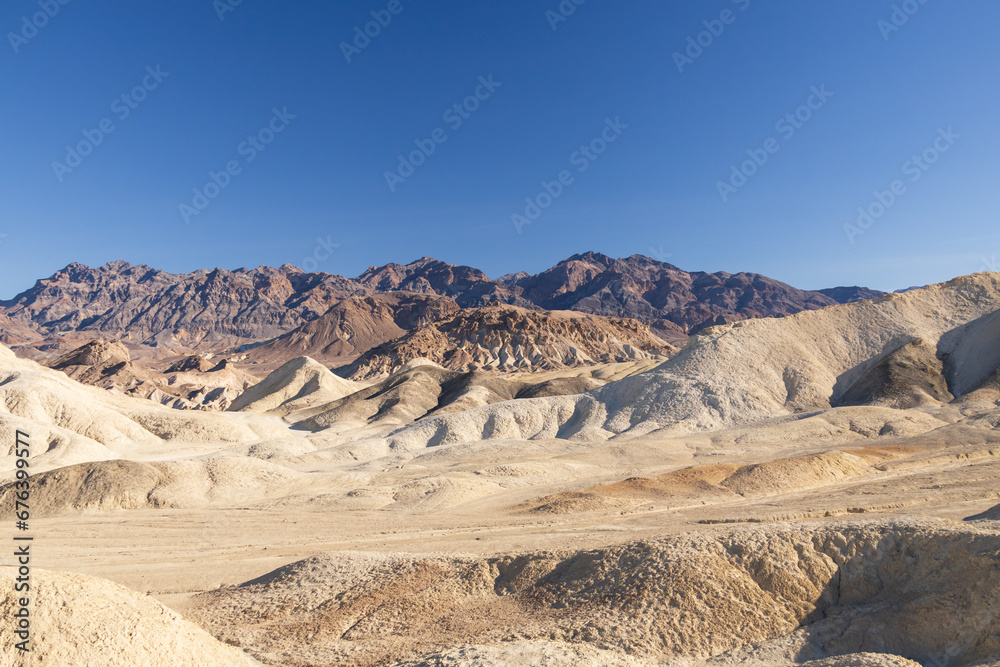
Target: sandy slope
[(80, 620), (298, 383), (127, 485)]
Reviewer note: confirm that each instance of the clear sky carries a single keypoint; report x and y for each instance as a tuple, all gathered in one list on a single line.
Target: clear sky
[(661, 131)]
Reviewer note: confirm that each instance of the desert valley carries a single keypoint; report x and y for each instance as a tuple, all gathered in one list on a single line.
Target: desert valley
[(612, 462)]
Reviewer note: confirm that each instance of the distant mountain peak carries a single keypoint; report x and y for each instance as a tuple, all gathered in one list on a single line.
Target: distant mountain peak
[(589, 256), (121, 265)]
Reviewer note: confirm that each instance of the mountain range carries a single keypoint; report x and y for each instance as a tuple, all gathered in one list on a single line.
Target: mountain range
[(219, 309)]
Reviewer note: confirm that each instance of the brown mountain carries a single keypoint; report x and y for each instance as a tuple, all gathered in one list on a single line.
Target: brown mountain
[(354, 326), (468, 286), (673, 301), (218, 310), (850, 294), (660, 293), (15, 332), (146, 305), (507, 338)]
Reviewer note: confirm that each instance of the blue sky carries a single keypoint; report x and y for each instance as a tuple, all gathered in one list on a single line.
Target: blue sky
[(556, 86)]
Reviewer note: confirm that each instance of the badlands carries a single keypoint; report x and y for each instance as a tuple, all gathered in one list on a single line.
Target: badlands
[(818, 487)]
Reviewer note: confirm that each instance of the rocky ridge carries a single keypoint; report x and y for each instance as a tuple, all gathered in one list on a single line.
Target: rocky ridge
[(219, 308), (508, 338)]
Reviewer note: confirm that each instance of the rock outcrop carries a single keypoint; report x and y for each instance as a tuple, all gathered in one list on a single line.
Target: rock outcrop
[(354, 326), (507, 338)]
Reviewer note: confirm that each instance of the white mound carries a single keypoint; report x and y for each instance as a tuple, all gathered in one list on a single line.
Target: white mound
[(80, 620), (753, 370), (69, 422), (44, 396), (302, 382), (102, 486)]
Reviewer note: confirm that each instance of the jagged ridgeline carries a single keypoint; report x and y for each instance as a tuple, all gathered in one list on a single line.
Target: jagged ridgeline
[(143, 304)]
